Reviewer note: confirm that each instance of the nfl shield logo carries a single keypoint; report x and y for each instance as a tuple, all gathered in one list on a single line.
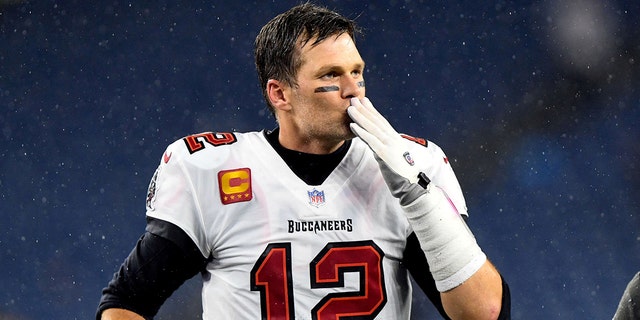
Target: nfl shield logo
[(316, 198), (408, 158)]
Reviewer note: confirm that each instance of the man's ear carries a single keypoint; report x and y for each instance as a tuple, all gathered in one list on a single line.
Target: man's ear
[(278, 94)]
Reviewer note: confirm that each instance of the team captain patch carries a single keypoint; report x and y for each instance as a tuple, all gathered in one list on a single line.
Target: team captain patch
[(235, 185)]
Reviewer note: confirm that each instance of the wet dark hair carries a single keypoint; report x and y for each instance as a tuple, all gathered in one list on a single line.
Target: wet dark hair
[(277, 46)]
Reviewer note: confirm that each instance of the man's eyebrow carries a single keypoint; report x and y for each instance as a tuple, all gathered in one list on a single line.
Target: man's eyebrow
[(328, 68)]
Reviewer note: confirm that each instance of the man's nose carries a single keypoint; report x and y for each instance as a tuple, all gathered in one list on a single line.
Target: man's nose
[(353, 88)]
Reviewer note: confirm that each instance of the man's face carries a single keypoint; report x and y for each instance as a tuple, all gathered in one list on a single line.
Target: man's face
[(331, 74)]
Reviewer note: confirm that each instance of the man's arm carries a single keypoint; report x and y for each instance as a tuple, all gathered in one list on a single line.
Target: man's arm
[(416, 262), (161, 261), (120, 314), (479, 297)]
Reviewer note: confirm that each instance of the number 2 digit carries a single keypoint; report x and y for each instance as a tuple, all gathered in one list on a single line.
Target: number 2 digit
[(271, 275)]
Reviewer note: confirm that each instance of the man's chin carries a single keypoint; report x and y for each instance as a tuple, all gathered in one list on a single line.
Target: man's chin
[(347, 133), (350, 135)]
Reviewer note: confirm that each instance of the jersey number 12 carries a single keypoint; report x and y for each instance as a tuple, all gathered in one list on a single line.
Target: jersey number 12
[(271, 276)]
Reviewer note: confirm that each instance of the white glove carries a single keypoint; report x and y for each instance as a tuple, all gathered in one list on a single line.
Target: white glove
[(449, 246), (402, 164), (387, 144)]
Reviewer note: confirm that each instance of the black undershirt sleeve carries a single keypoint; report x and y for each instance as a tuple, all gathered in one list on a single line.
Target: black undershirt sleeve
[(416, 262), (162, 260)]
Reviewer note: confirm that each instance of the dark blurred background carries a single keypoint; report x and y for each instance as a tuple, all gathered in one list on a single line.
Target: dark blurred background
[(536, 103)]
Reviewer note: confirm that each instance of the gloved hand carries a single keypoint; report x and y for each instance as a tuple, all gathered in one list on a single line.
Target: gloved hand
[(403, 165), (387, 144), (449, 246)]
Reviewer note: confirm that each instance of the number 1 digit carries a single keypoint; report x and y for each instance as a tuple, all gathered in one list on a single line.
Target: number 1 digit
[(271, 275)]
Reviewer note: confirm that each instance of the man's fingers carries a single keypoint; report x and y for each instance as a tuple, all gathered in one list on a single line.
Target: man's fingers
[(374, 143), (356, 114), (370, 108), (366, 108), (367, 111)]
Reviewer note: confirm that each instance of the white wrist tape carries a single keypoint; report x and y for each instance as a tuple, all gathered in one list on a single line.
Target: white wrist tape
[(450, 247)]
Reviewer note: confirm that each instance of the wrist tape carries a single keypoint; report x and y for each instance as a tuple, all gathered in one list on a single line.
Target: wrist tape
[(451, 249)]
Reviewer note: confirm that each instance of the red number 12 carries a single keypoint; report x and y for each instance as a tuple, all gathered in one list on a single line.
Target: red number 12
[(271, 275)]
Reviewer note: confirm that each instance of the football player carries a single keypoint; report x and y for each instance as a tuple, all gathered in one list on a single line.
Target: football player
[(325, 217), (629, 305)]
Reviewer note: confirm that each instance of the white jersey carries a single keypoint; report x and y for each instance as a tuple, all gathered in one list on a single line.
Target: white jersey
[(283, 249)]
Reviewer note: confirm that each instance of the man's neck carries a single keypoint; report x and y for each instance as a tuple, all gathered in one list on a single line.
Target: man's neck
[(308, 145), (313, 169)]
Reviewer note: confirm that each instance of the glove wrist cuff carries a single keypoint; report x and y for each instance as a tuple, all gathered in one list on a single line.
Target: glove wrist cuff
[(448, 244)]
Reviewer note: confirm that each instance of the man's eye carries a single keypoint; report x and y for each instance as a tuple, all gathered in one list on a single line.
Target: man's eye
[(330, 75)]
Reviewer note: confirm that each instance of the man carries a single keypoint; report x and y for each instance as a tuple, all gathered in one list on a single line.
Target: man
[(629, 305), (322, 218)]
